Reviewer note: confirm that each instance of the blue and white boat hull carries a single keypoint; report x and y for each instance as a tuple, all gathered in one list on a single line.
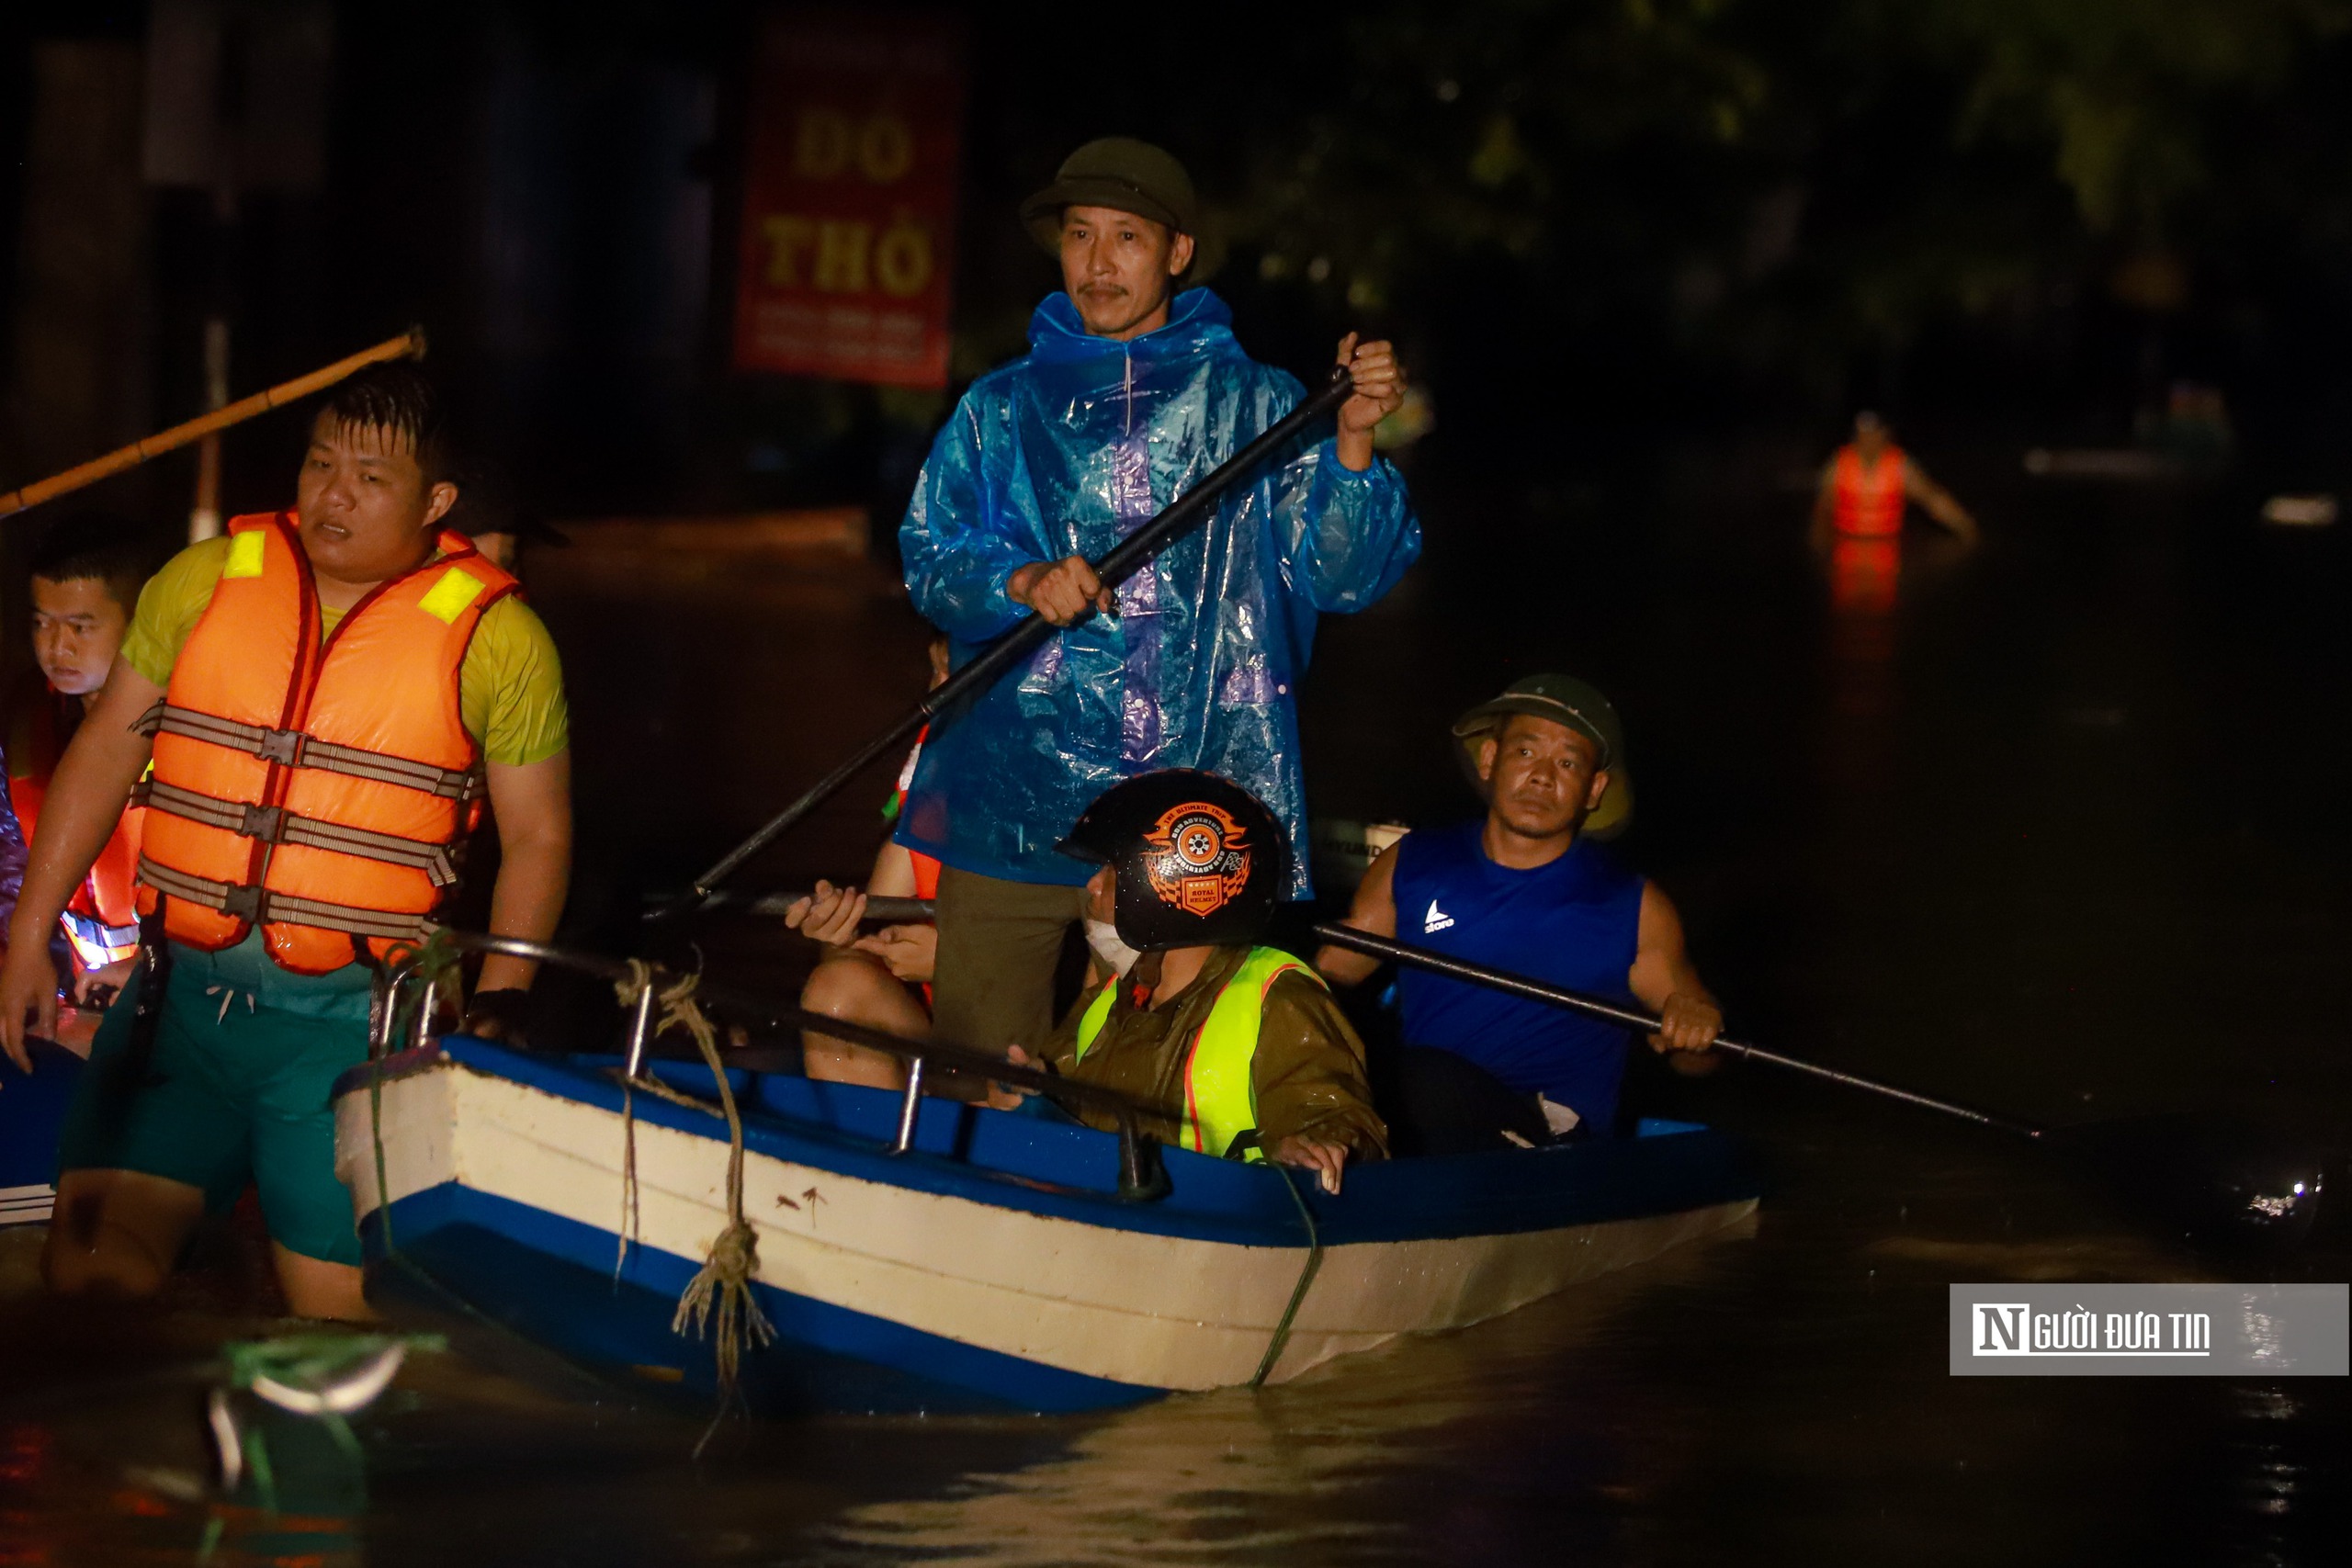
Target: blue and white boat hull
[(994, 1265), (32, 1114)]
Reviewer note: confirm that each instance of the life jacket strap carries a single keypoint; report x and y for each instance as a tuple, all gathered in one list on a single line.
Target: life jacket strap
[(258, 906), (276, 825), (96, 943), (296, 748)]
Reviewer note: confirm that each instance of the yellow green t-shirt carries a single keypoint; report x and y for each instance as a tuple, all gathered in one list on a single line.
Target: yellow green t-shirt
[(509, 691)]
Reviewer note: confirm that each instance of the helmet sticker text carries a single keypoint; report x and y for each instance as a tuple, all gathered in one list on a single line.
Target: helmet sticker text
[(1197, 858)]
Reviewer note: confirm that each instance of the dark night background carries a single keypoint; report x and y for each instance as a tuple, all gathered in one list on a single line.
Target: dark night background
[(1600, 230), (2058, 829), (1647, 255)]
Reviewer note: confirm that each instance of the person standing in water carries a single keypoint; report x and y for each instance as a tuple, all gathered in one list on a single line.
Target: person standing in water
[(326, 694), (87, 574), (1866, 487), (1858, 515)]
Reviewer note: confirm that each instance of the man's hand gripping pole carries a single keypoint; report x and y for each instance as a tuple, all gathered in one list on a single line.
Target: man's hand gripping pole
[(1119, 563)]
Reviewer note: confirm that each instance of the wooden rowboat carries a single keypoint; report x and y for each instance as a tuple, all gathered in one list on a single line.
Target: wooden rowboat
[(993, 1264)]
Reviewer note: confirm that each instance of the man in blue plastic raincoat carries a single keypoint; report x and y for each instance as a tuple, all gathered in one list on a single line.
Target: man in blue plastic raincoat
[(1131, 393)]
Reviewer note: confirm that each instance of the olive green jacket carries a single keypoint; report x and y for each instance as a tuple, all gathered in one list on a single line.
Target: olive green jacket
[(1309, 1071)]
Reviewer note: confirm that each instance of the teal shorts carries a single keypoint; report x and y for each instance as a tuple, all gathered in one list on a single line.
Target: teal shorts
[(235, 1091)]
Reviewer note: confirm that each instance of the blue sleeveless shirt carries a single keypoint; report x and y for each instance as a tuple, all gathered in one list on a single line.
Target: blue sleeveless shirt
[(1576, 923)]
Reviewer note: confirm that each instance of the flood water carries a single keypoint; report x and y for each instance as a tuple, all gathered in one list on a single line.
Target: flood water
[(2056, 828)]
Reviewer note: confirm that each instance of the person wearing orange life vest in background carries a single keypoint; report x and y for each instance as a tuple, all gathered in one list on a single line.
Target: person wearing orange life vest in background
[(86, 573), (865, 978), (1858, 514), (325, 693)]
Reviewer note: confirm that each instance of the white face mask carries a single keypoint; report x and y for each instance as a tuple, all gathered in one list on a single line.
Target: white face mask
[(1104, 938)]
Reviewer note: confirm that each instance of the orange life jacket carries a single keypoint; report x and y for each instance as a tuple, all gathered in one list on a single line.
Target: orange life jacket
[(320, 789), (926, 867), (1863, 575), (1867, 502), (101, 920)]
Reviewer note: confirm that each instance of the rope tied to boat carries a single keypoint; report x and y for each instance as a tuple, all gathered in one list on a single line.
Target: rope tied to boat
[(719, 1296), (1276, 1346), (640, 980), (437, 961)]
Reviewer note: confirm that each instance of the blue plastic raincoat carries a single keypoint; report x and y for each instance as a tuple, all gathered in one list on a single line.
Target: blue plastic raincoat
[(1066, 452)]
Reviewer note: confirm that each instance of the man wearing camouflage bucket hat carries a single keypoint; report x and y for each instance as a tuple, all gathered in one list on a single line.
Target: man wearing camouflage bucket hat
[(1528, 888), (1133, 390)]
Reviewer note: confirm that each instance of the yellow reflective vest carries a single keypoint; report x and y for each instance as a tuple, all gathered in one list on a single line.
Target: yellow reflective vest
[(1220, 1098)]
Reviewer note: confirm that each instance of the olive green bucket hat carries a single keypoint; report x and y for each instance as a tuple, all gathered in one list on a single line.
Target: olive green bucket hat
[(1119, 172), (1563, 699)]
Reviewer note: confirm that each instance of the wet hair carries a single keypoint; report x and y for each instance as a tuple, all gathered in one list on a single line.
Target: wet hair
[(400, 401), (114, 549)]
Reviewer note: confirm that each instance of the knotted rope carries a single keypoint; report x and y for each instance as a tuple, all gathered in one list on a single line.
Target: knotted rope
[(439, 962), (722, 1289)]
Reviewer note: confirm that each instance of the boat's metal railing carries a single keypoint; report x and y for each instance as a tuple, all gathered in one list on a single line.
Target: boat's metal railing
[(1142, 1177)]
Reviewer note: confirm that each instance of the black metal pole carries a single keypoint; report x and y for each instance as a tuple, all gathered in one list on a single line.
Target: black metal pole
[(1117, 565), (1384, 948), (751, 1006), (1536, 991), (880, 911)]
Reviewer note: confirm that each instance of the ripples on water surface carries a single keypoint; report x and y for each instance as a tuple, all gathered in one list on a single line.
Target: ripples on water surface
[(2037, 835)]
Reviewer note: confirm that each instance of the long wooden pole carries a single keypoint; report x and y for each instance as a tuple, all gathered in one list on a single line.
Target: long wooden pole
[(1393, 951), (1120, 562), (1502, 980), (410, 344)]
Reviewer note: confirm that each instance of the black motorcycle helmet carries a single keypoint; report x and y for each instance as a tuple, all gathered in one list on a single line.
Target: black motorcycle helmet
[(1199, 861)]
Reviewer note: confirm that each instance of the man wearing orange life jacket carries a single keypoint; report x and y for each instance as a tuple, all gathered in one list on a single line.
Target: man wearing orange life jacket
[(326, 694), (86, 573), (1858, 515), (1864, 489)]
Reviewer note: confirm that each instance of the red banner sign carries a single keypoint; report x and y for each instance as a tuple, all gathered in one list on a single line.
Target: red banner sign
[(849, 206)]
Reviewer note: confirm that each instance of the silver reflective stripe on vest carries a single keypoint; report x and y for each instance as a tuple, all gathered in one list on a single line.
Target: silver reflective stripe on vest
[(276, 825), (261, 906), (296, 749), (92, 938)]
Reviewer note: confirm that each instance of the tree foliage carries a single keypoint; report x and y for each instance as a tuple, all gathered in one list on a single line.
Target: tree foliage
[(1769, 179)]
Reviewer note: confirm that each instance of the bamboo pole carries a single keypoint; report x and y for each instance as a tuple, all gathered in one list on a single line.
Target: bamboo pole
[(410, 344)]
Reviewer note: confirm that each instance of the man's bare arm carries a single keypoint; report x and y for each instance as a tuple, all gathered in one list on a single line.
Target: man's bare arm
[(533, 802), (908, 952), (1938, 502), (894, 872), (1374, 910), (83, 807), (1663, 977)]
